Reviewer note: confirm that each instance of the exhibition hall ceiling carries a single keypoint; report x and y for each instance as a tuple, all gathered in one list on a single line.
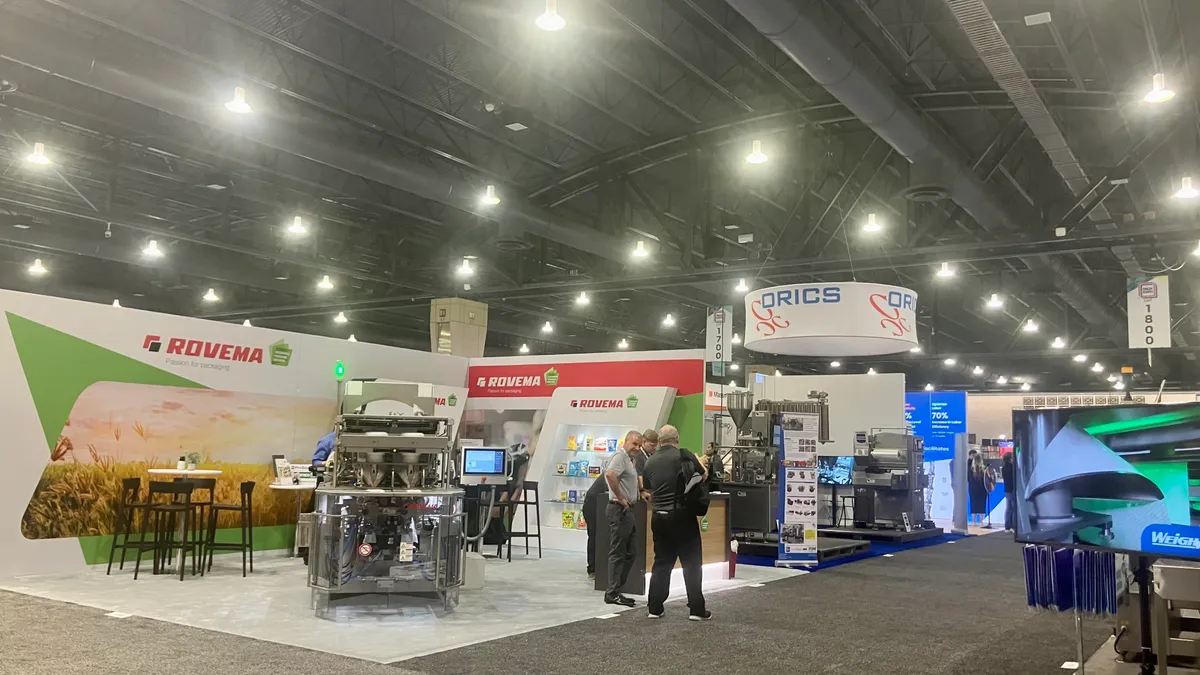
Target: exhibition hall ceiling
[(600, 172)]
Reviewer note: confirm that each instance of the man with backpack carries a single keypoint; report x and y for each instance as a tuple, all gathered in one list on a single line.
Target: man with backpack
[(678, 497)]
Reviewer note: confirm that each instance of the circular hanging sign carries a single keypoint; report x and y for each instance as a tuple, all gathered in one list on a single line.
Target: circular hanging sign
[(365, 550), (836, 319)]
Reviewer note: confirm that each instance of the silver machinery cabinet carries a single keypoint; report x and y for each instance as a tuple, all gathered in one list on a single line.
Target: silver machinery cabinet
[(387, 520)]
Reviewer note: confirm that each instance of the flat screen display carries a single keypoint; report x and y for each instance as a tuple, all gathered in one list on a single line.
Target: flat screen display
[(1124, 478), (483, 461), (834, 470)]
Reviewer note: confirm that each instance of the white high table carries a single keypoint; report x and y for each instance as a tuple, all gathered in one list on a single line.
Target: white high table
[(184, 473), (299, 489)]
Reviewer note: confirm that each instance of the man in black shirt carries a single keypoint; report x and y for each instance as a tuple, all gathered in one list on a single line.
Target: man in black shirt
[(676, 532)]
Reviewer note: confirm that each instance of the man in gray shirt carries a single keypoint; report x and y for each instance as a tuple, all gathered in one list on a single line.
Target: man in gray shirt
[(622, 478)]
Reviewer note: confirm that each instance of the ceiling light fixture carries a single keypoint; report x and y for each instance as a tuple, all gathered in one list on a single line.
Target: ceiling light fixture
[(238, 103), (741, 287), (1025, 386), (1118, 386), (732, 383), (1097, 367), (37, 269), (1112, 378), (352, 338), (734, 367), (872, 224), (340, 318), (1079, 358), (38, 156), (945, 271), (489, 197), (756, 155), (639, 251), (871, 371), (668, 321), (929, 387), (835, 364), (211, 296), (1002, 380), (583, 299), (949, 361), (297, 227), (1058, 343), (978, 370), (1186, 191), (547, 327), (995, 302), (524, 349), (777, 373), (325, 284), (915, 350), (551, 20), (465, 270), (246, 323), (1158, 90), (151, 250), (1196, 252), (116, 303), (736, 340), (1030, 326), (623, 344)]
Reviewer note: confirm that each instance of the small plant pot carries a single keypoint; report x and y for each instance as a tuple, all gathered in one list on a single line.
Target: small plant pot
[(191, 466)]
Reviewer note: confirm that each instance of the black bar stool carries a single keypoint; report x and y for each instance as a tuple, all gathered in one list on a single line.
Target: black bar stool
[(245, 513), (167, 517), (202, 507), (127, 508), (528, 488)]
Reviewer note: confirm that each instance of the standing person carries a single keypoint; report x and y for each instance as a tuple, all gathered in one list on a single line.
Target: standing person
[(649, 446), (591, 511), (711, 461), (622, 479), (977, 487), (1008, 475), (676, 531)]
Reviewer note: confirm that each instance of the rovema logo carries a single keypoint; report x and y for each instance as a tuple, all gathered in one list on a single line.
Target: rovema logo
[(595, 403), (1171, 539), (280, 352)]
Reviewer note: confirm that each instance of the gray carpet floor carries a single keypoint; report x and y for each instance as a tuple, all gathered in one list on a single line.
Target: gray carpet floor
[(944, 609)]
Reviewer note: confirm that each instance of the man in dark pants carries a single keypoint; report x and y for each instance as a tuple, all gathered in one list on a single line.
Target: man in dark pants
[(676, 532), (591, 511), (622, 479)]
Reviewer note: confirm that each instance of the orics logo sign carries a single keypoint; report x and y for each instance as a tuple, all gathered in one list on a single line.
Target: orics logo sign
[(280, 353)]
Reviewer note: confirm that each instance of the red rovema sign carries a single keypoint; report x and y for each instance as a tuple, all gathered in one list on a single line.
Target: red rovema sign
[(541, 379)]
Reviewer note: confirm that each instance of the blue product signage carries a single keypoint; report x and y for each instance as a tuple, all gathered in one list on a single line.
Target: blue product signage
[(936, 417)]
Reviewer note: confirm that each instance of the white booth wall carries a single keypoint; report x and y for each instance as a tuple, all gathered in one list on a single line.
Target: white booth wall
[(990, 415), (856, 403)]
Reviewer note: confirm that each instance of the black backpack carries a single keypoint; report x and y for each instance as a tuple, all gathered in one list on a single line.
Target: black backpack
[(692, 496)]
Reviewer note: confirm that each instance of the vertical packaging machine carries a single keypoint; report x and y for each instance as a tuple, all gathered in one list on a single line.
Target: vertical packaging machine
[(889, 480), (388, 519)]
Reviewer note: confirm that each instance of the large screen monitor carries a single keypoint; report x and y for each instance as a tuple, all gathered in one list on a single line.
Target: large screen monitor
[(834, 470), (1119, 478)]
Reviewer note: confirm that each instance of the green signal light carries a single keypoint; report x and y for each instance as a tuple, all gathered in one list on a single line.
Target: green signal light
[(339, 370)]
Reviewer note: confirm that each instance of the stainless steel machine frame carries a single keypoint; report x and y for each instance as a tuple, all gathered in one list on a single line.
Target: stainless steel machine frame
[(387, 520), (889, 480)]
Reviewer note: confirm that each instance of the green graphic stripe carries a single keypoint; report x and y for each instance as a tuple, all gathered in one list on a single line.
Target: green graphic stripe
[(59, 367), (687, 415), (266, 538)]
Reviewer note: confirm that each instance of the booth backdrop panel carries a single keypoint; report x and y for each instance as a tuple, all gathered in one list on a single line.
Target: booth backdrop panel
[(856, 403), (96, 393), (990, 415), (504, 385)]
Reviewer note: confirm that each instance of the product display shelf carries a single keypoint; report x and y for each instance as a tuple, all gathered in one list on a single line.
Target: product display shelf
[(565, 514)]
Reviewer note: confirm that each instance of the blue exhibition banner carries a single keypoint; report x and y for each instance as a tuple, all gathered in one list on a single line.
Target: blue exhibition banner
[(936, 417)]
